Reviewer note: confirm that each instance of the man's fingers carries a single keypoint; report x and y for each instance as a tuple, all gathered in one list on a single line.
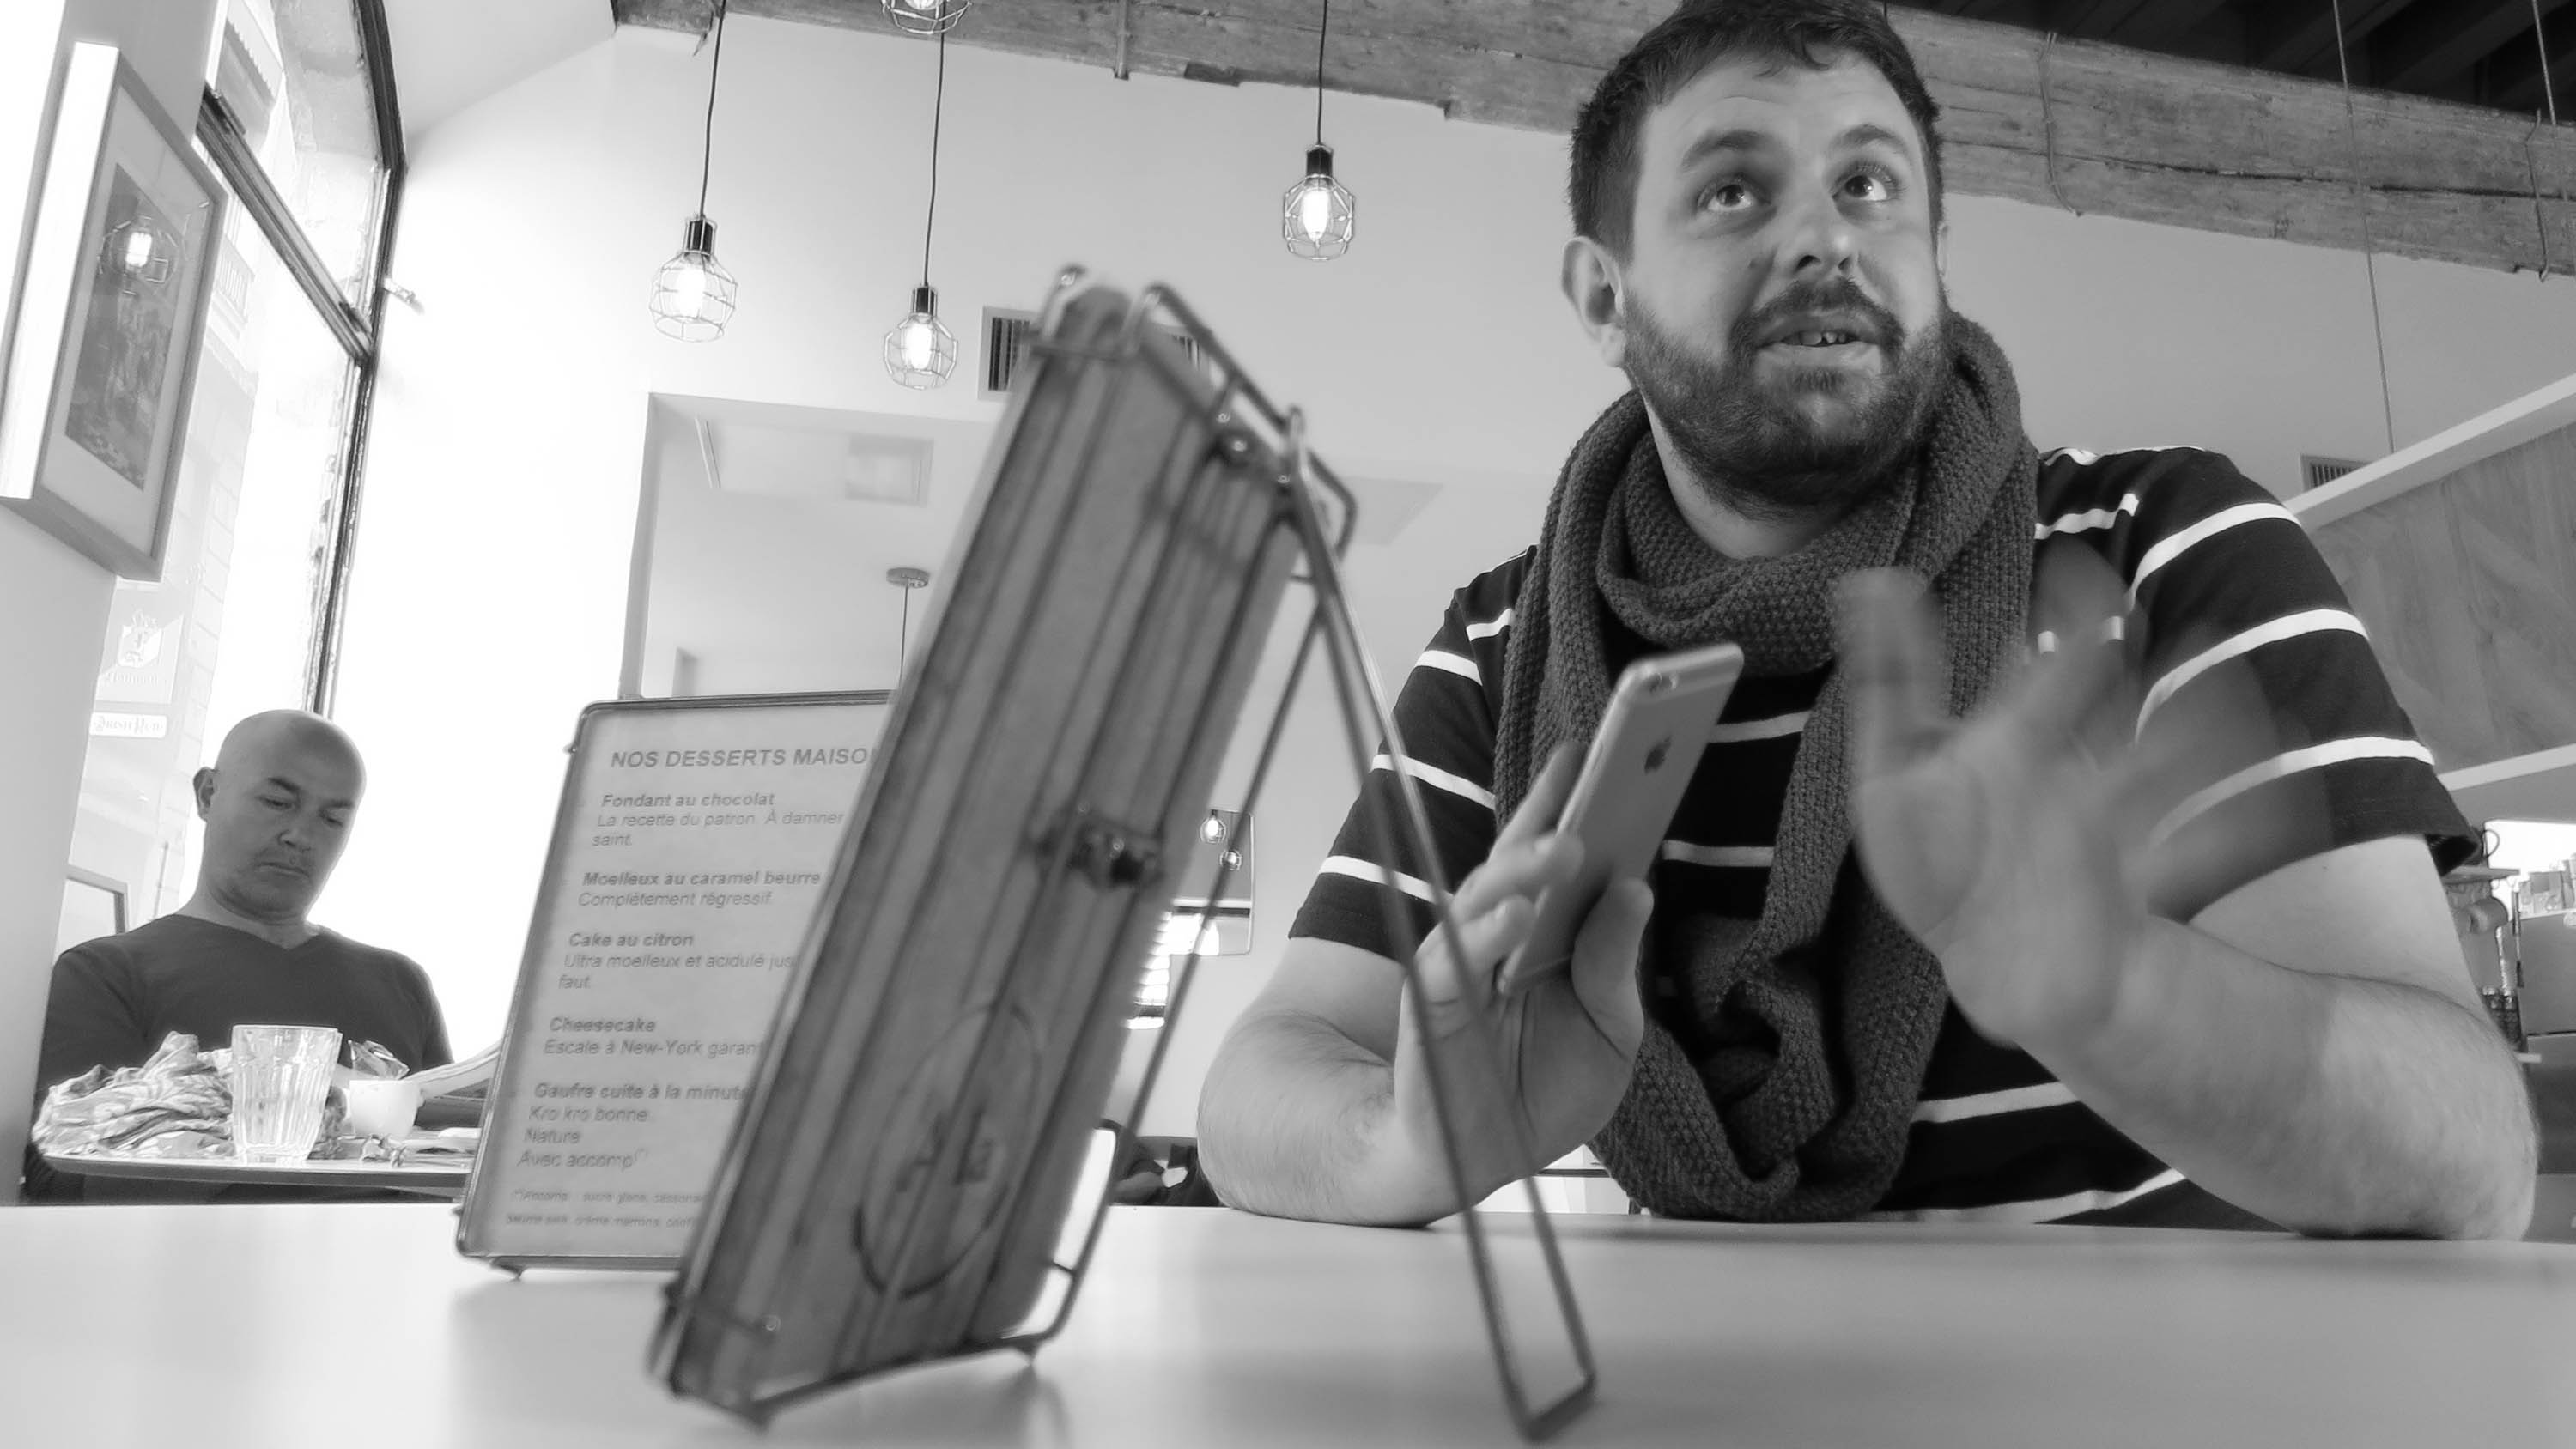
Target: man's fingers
[(1545, 801), (1518, 869), (2073, 692), (1605, 957), (1457, 978), (1892, 666)]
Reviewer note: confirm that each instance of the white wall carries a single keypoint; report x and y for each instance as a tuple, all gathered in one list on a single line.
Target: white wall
[(53, 601), (507, 450)]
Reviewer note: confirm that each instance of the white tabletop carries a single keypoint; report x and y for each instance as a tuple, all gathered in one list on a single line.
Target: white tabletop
[(340, 1326)]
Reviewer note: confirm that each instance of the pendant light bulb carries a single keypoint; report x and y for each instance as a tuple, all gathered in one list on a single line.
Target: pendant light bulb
[(1317, 213), (693, 294), (919, 352), (1315, 216), (925, 17)]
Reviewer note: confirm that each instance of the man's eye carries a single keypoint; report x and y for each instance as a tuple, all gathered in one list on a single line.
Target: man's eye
[(274, 802), (1726, 196), (1869, 186)]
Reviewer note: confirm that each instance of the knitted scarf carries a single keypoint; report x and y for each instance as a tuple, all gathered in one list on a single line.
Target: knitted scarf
[(1823, 1012)]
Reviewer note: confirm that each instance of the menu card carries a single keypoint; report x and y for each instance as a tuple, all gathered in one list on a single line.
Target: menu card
[(689, 854)]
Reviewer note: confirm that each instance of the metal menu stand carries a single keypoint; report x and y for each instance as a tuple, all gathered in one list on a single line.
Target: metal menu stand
[(900, 1187)]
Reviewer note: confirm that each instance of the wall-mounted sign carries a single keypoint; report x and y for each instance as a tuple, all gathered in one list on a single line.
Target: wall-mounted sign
[(689, 853)]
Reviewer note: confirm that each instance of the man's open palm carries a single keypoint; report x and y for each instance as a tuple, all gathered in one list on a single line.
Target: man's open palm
[(2009, 843)]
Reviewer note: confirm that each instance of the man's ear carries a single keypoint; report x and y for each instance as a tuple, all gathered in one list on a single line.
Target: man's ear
[(1592, 281), (205, 786)]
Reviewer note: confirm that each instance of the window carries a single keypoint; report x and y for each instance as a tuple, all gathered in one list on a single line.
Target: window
[(298, 122), (291, 75)]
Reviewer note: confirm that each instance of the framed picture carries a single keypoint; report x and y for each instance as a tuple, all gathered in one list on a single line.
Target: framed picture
[(94, 404)]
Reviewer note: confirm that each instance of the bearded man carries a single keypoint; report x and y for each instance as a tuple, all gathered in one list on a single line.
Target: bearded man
[(2107, 890)]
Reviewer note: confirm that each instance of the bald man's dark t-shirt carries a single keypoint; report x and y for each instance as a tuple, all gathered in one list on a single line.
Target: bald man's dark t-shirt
[(115, 998)]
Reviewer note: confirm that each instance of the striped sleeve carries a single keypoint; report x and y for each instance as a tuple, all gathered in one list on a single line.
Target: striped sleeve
[(1445, 716), (2254, 670)]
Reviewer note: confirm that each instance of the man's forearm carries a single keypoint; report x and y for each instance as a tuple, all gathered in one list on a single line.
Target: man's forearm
[(1296, 1120), (2326, 1104)]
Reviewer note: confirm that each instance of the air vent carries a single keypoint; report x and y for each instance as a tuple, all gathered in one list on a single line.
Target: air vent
[(2316, 472), (1006, 345), (1006, 339)]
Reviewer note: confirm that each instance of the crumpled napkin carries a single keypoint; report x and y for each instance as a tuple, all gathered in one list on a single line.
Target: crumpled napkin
[(180, 1104)]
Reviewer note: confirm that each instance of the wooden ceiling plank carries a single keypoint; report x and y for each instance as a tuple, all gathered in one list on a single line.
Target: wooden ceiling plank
[(2120, 106), (2430, 44), (2146, 137), (695, 16), (2292, 36), (2167, 22), (2096, 19), (2515, 76)]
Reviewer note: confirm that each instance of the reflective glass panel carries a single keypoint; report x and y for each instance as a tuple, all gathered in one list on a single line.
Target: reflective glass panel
[(229, 628), (294, 75)]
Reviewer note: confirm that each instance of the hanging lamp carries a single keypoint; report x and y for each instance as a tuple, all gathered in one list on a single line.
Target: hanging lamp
[(919, 352), (925, 17), (693, 294), (1315, 216), (907, 579)]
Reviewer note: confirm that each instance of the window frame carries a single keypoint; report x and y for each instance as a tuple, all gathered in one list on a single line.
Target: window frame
[(360, 333)]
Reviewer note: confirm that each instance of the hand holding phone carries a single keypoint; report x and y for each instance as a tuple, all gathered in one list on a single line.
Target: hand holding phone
[(1659, 719)]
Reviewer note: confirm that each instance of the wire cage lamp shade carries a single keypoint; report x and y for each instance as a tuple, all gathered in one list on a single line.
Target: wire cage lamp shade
[(925, 17), (693, 294), (1316, 215), (919, 352)]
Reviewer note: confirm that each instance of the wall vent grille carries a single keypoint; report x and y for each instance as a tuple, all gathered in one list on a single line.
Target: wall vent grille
[(2316, 472), (1006, 341)]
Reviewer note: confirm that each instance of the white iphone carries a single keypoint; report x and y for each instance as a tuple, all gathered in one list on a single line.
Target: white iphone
[(1660, 717)]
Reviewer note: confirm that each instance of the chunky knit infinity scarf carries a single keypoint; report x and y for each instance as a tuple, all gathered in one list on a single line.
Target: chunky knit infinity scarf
[(1823, 1012)]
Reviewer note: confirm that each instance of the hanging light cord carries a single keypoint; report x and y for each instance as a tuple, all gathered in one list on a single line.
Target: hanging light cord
[(903, 640), (1320, 32), (2547, 90), (2369, 263), (938, 102), (714, 68)]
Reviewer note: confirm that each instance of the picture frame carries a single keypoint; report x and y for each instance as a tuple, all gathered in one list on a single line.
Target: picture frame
[(102, 360)]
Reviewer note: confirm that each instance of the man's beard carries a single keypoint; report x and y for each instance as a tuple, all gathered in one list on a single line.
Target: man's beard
[(1745, 436)]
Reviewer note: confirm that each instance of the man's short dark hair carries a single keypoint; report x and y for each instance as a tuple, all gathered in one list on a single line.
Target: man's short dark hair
[(1602, 187)]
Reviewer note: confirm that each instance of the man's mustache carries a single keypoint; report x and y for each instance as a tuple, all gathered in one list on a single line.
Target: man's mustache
[(1836, 294)]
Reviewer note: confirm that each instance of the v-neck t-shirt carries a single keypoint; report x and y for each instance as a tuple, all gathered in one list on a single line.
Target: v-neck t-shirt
[(114, 999)]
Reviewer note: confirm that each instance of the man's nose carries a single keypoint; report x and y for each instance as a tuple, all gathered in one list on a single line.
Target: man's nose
[(1820, 239)]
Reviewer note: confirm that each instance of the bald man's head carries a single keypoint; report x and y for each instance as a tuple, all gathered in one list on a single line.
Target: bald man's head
[(277, 803)]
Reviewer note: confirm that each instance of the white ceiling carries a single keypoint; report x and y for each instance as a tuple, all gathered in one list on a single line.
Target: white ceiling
[(448, 54)]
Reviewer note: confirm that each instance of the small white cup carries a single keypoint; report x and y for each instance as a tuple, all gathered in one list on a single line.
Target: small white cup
[(383, 1107)]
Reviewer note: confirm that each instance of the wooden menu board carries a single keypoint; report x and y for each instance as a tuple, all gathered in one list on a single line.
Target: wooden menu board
[(904, 1176), (689, 852)]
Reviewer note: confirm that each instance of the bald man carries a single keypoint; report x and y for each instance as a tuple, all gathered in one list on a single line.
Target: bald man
[(277, 803)]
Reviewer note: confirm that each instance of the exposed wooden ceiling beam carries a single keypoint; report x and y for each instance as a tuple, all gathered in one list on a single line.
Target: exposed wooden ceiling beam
[(2146, 137), (2430, 43)]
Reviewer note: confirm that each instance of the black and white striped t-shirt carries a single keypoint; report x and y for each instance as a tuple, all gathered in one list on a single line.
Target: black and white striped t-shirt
[(2216, 570)]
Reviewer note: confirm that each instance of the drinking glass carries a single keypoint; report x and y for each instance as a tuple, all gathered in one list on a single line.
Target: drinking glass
[(281, 1076)]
